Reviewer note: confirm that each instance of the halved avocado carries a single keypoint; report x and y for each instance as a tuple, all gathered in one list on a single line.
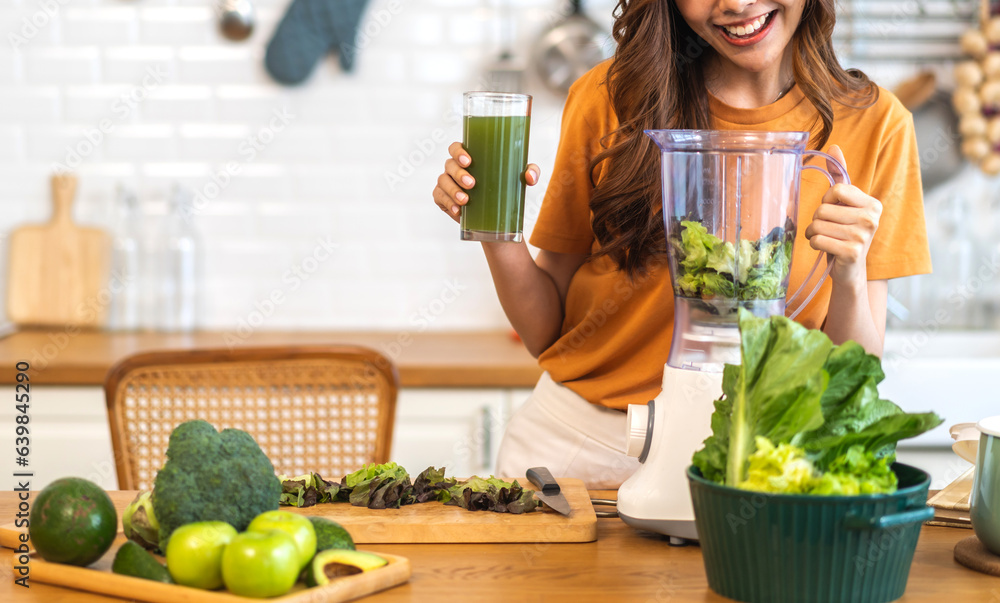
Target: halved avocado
[(336, 563)]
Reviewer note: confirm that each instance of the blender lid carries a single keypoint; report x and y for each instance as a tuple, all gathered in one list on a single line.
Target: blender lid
[(729, 140)]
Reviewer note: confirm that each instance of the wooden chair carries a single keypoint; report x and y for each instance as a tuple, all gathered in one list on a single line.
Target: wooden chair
[(323, 409)]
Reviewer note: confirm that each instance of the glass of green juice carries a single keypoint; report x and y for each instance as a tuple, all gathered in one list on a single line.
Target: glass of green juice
[(495, 134)]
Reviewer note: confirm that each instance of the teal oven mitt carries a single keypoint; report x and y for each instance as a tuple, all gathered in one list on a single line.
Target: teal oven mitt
[(309, 30)]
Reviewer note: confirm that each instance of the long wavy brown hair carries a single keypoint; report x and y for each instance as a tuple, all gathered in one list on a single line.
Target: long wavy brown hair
[(648, 92)]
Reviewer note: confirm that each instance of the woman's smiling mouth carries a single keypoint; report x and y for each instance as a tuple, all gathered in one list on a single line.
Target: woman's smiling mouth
[(748, 32)]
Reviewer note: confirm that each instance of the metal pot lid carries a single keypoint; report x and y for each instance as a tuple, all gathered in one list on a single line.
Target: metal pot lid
[(569, 50)]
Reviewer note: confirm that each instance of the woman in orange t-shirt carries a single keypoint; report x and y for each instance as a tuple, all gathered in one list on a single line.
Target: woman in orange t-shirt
[(595, 305)]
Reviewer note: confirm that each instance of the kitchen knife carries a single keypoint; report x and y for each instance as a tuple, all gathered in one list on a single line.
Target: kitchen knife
[(548, 491)]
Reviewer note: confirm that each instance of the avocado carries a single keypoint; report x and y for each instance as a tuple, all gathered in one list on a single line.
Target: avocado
[(331, 535), (133, 560), (72, 521), (336, 563)]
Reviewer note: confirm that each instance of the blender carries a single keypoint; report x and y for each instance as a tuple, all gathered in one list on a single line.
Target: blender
[(730, 211)]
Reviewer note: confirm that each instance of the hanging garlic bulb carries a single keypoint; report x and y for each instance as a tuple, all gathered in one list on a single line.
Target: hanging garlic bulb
[(991, 165), (992, 30), (975, 149), (990, 93), (993, 130), (972, 125), (974, 43), (966, 100), (991, 65), (969, 73), (978, 92)]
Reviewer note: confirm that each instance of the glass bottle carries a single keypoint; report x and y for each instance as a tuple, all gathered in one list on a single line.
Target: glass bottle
[(991, 262), (126, 277), (179, 270), (959, 255)]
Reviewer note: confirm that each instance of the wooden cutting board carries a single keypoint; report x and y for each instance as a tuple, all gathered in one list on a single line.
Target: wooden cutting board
[(955, 496), (440, 523), (99, 578), (951, 505), (57, 271), (434, 522)]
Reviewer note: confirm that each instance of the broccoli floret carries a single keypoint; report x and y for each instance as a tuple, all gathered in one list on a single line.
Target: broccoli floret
[(212, 476)]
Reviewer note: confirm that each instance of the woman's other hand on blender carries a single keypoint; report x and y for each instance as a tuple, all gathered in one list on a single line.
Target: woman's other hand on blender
[(843, 226), (450, 195)]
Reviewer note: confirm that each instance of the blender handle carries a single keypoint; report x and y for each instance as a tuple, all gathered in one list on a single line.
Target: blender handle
[(819, 258)]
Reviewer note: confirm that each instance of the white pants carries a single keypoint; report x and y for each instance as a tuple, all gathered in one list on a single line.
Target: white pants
[(559, 430)]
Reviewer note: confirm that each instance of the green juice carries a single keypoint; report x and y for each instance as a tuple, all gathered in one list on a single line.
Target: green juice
[(499, 150)]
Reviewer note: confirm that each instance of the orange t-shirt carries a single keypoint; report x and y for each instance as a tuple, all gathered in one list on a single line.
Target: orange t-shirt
[(616, 334)]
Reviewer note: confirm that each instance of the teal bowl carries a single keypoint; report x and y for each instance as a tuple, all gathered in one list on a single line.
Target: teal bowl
[(793, 548)]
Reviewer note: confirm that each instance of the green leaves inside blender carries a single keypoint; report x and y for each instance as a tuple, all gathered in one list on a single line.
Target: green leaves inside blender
[(709, 267)]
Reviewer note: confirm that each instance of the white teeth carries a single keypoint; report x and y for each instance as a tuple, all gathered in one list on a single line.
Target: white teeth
[(745, 30)]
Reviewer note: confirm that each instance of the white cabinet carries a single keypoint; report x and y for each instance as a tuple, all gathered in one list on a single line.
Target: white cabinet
[(459, 429), (69, 435), (952, 373)]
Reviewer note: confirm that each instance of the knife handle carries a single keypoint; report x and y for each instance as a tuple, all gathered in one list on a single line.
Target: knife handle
[(542, 478)]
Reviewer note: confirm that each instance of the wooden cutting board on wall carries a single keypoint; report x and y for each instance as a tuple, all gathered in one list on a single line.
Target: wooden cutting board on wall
[(58, 272)]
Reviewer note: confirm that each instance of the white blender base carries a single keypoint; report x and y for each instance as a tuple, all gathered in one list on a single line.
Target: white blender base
[(657, 497)]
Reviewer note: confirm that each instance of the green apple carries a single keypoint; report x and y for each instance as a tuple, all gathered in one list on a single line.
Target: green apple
[(194, 553), (297, 526), (261, 564)]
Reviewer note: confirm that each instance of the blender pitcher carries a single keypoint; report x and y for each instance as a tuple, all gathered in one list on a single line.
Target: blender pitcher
[(730, 210)]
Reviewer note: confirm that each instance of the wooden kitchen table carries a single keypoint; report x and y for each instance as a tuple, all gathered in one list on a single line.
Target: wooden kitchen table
[(622, 565)]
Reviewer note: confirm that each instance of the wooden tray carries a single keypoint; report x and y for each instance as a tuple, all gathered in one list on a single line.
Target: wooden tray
[(98, 578)]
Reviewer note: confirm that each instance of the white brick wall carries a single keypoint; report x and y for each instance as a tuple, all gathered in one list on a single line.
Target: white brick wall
[(324, 175)]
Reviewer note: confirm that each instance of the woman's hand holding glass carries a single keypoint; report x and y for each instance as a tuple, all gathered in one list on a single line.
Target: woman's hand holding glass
[(450, 195)]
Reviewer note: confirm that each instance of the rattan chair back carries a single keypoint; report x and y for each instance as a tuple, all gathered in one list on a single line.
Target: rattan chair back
[(323, 409)]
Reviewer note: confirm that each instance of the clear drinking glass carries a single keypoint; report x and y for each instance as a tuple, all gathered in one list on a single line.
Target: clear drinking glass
[(495, 134)]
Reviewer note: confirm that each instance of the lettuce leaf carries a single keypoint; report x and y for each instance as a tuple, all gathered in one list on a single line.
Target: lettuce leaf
[(385, 486), (431, 485), (795, 388), (491, 494), (787, 469), (696, 243), (369, 472), (782, 468), (709, 267), (307, 490), (777, 389), (722, 257)]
